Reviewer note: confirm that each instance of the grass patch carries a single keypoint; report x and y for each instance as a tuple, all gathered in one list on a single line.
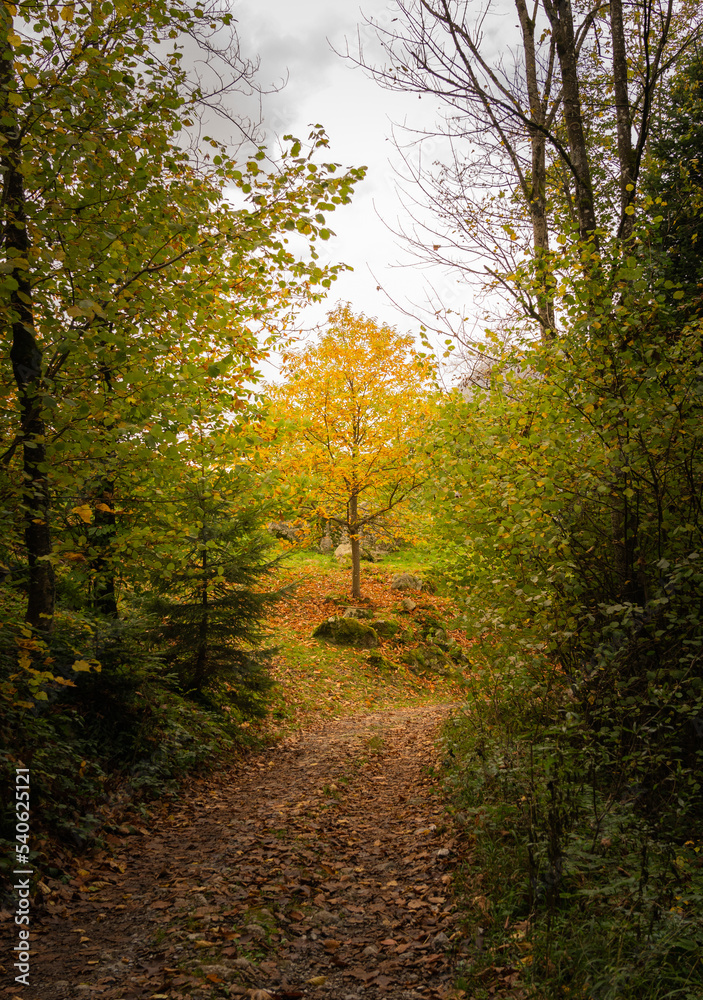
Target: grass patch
[(314, 678)]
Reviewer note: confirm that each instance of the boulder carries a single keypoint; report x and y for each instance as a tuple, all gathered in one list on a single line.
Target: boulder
[(379, 662), (344, 551), (357, 613), (427, 660), (286, 532), (405, 581), (347, 632), (407, 604), (388, 628)]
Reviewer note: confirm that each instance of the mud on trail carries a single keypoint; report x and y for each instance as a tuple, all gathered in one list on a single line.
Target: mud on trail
[(321, 868)]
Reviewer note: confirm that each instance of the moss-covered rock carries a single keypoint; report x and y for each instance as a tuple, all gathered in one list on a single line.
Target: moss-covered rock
[(427, 660), (347, 632), (387, 628), (379, 662), (427, 622)]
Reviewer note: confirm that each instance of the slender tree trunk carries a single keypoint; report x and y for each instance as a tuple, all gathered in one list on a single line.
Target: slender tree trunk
[(355, 545), (622, 116), (561, 20), (623, 527), (538, 195), (26, 356)]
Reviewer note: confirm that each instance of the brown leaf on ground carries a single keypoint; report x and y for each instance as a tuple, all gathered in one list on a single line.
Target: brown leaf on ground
[(275, 884)]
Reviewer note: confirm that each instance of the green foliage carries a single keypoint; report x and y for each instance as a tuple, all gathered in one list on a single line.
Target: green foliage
[(212, 611), (592, 900), (572, 508), (587, 898), (108, 737), (673, 181), (570, 496)]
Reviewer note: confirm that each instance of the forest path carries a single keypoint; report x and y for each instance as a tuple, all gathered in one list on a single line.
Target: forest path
[(320, 868)]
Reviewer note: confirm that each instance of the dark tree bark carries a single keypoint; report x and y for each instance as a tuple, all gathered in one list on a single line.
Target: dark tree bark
[(622, 115), (200, 671), (561, 20), (26, 358), (537, 192)]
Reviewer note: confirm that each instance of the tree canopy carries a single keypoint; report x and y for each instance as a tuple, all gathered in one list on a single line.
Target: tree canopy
[(355, 404)]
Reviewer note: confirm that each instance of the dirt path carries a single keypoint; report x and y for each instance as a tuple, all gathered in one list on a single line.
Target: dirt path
[(321, 869)]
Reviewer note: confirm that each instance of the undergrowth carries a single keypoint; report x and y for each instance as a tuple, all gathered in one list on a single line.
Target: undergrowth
[(103, 740), (576, 886)]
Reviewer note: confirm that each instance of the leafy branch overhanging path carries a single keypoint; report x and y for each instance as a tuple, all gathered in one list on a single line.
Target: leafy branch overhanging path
[(321, 869)]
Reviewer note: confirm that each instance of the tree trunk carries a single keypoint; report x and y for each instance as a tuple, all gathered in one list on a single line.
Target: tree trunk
[(26, 358), (537, 196), (353, 527), (622, 116), (561, 20)]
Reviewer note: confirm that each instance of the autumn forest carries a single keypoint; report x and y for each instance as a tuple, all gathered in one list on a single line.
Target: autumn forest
[(362, 658)]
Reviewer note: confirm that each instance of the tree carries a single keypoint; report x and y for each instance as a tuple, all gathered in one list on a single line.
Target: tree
[(121, 247), (356, 402), (212, 607), (542, 143)]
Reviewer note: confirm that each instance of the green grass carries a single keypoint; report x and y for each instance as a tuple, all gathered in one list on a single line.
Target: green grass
[(320, 679), (409, 559)]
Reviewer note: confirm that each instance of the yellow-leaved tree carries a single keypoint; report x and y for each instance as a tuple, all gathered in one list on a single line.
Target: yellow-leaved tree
[(354, 406)]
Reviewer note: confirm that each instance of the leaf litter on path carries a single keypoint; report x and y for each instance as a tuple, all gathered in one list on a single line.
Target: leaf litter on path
[(321, 868)]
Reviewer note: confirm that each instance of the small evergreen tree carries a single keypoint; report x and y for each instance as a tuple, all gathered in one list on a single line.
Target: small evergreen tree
[(211, 610)]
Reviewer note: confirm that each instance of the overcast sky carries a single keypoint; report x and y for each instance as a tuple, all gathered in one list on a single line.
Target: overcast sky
[(291, 38)]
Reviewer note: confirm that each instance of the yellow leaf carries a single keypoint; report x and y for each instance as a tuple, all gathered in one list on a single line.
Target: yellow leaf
[(84, 512), (31, 81), (67, 14), (82, 666)]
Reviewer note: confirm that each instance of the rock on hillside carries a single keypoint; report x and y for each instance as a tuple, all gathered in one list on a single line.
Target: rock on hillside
[(347, 632)]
